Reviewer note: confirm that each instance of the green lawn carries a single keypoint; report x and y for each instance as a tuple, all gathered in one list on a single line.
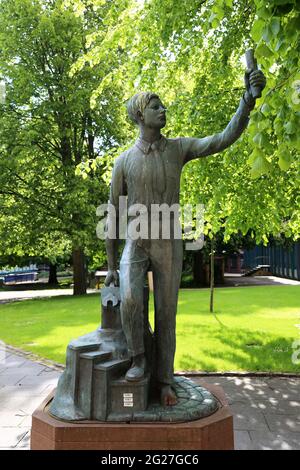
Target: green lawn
[(253, 329)]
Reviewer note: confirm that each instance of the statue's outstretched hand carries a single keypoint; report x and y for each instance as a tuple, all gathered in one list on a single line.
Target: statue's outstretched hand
[(112, 278), (254, 79)]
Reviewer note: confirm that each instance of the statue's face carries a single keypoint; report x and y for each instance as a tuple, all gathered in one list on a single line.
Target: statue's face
[(155, 114)]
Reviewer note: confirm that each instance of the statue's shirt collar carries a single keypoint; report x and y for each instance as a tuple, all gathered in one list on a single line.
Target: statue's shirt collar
[(146, 147)]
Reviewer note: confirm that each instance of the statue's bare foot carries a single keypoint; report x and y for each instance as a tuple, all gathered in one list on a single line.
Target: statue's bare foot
[(168, 396)]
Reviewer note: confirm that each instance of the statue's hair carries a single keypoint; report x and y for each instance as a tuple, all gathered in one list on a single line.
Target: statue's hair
[(138, 103)]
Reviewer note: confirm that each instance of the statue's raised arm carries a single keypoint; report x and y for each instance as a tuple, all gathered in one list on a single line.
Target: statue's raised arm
[(203, 147)]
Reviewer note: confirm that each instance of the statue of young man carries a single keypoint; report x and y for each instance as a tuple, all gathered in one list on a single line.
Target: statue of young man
[(149, 173)]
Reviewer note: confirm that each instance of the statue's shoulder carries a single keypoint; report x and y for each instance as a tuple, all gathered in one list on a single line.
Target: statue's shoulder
[(174, 145), (132, 149), (125, 154), (120, 160), (173, 141)]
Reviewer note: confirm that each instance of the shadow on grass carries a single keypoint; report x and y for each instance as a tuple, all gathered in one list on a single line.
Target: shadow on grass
[(248, 351)]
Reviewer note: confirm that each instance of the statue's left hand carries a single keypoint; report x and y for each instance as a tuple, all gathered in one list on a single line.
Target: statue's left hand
[(254, 78), (112, 278)]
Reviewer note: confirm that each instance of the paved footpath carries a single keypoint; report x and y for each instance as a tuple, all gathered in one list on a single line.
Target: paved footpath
[(24, 384), (15, 295), (266, 410)]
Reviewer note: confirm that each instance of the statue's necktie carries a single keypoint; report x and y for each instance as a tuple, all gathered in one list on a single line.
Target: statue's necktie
[(158, 170)]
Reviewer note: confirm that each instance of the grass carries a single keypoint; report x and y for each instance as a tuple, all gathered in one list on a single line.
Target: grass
[(253, 327)]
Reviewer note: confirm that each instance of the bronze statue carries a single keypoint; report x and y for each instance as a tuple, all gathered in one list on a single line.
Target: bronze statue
[(149, 173), (114, 373)]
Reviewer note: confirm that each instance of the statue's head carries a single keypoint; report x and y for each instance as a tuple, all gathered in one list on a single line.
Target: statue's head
[(146, 109)]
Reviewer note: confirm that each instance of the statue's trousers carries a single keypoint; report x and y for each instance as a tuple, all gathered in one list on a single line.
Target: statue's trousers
[(164, 257)]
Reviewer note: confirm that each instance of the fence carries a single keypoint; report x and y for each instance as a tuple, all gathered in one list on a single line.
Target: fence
[(283, 261)]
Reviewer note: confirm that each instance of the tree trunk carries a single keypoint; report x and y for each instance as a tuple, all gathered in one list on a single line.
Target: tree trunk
[(79, 271), (198, 269), (212, 276), (53, 274)]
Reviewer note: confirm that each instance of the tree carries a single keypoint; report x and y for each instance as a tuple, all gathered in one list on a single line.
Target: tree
[(69, 64), (48, 128), (192, 52)]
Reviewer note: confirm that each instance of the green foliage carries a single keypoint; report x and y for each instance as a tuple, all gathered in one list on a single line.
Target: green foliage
[(48, 128), (194, 60), (192, 52), (78, 60), (277, 33)]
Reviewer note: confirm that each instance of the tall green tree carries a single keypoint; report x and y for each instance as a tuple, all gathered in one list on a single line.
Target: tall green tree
[(48, 127), (192, 53)]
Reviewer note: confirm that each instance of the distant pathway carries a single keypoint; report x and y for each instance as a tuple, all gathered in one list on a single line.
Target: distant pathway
[(236, 280), (10, 296), (231, 280)]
